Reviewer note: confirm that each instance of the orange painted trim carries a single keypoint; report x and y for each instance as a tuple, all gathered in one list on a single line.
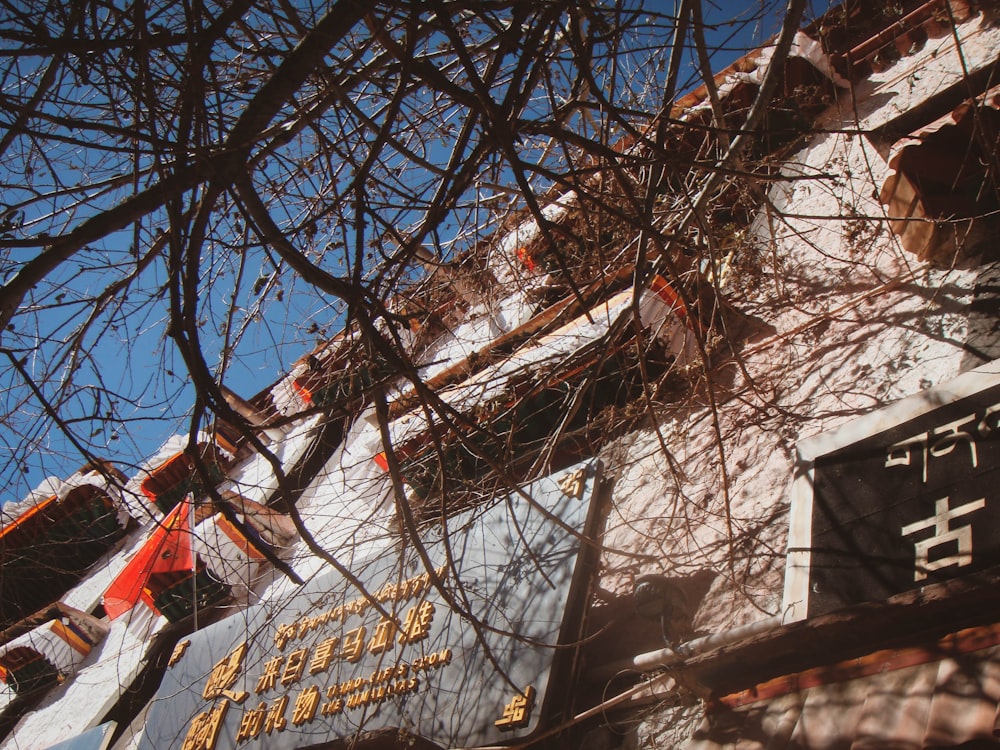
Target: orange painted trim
[(25, 517), (304, 393), (236, 537), (662, 289), (526, 260), (74, 640)]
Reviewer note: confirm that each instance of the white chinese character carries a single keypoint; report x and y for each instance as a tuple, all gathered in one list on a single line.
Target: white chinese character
[(962, 536), (984, 424), (898, 454), (952, 436)]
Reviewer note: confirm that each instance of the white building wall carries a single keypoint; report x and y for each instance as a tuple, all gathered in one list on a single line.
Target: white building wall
[(845, 322)]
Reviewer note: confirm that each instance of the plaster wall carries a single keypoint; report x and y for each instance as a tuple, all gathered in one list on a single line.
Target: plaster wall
[(845, 321)]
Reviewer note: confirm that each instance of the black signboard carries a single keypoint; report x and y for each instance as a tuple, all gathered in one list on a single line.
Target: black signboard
[(456, 642), (910, 505)]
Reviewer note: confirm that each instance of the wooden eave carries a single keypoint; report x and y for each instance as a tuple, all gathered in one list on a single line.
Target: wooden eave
[(920, 618)]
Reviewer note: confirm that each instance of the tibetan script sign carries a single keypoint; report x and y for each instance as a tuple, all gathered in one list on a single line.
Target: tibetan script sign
[(456, 643), (899, 499)]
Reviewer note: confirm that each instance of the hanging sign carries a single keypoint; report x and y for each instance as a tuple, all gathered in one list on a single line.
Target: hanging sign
[(458, 643), (899, 499)]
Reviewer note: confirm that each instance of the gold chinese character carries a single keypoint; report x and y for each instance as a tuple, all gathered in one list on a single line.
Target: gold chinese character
[(517, 713), (252, 723), (306, 705), (354, 644), (417, 624), (323, 654), (205, 727), (382, 638), (573, 483), (223, 676), (284, 634), (275, 721), (269, 679), (178, 652), (294, 666)]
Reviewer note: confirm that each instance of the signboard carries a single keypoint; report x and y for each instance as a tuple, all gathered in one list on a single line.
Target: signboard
[(456, 643), (901, 498)]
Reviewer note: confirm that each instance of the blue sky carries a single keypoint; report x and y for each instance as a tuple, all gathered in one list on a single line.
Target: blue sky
[(130, 390)]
